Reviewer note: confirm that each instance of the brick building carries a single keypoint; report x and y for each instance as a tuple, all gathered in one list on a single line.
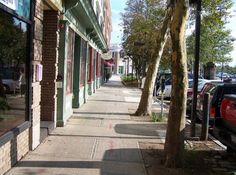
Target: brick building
[(54, 63)]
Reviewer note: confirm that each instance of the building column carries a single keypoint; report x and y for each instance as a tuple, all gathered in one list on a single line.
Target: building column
[(61, 70), (36, 87), (50, 69), (76, 72)]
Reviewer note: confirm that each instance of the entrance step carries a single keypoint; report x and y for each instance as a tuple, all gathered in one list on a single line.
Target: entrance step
[(46, 127)]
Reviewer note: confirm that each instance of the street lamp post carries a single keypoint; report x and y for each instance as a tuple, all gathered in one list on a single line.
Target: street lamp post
[(196, 65)]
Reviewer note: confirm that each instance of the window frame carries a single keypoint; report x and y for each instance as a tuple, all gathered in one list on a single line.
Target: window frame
[(28, 72)]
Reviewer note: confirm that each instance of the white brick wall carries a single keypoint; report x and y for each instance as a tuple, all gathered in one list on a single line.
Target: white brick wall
[(13, 151)]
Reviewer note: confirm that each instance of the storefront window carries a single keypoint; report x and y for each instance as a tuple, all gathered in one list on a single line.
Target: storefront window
[(89, 64), (83, 61), (70, 59), (13, 56)]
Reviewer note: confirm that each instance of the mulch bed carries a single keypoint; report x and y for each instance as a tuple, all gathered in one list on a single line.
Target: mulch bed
[(202, 158)]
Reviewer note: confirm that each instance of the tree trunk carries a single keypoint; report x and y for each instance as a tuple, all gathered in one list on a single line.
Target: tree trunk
[(174, 145), (145, 103)]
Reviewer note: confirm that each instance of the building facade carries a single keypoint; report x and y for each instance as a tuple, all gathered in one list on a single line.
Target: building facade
[(122, 63), (50, 62)]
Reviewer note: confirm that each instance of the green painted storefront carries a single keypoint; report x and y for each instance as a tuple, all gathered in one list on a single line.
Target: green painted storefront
[(80, 27)]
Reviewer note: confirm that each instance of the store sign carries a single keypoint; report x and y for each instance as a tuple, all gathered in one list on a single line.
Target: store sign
[(9, 3)]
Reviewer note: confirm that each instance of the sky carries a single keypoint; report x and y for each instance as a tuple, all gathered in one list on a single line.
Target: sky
[(117, 7)]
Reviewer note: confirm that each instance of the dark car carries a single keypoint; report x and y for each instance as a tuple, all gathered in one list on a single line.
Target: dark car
[(225, 125), (217, 90), (201, 84)]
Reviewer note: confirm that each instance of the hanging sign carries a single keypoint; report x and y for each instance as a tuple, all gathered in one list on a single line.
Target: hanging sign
[(9, 3), (106, 56)]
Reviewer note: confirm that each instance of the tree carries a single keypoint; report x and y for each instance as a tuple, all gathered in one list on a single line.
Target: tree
[(144, 25), (227, 69), (174, 144), (13, 40), (166, 56), (141, 18), (145, 103), (216, 40)]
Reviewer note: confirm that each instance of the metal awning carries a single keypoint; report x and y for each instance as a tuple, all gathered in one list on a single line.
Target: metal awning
[(84, 13), (106, 56)]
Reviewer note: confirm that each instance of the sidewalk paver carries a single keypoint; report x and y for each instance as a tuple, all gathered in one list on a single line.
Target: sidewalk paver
[(99, 139)]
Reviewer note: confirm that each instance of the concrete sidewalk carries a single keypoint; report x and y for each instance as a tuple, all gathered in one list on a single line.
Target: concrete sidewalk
[(99, 139)]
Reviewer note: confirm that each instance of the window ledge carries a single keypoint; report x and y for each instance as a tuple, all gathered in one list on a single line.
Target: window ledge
[(14, 132)]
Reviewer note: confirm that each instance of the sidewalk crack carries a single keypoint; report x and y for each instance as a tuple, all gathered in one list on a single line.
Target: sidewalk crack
[(94, 148)]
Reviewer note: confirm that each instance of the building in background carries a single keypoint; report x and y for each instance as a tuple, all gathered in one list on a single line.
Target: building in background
[(107, 29), (122, 62), (116, 56)]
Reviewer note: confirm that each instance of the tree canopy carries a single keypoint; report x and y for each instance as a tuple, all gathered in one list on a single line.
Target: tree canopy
[(216, 40), (140, 19), (13, 41)]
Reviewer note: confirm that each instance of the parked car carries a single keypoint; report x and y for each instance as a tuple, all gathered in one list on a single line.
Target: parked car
[(168, 85), (217, 90), (223, 75), (10, 79), (225, 124), (201, 83)]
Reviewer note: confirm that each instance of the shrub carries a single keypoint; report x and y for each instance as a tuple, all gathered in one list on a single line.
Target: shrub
[(157, 117), (128, 78)]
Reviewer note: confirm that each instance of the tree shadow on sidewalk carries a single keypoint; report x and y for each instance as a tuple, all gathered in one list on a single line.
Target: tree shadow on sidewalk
[(116, 101), (148, 160), (152, 129), (114, 162)]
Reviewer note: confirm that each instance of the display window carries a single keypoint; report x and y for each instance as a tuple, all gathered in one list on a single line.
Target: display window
[(14, 60)]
